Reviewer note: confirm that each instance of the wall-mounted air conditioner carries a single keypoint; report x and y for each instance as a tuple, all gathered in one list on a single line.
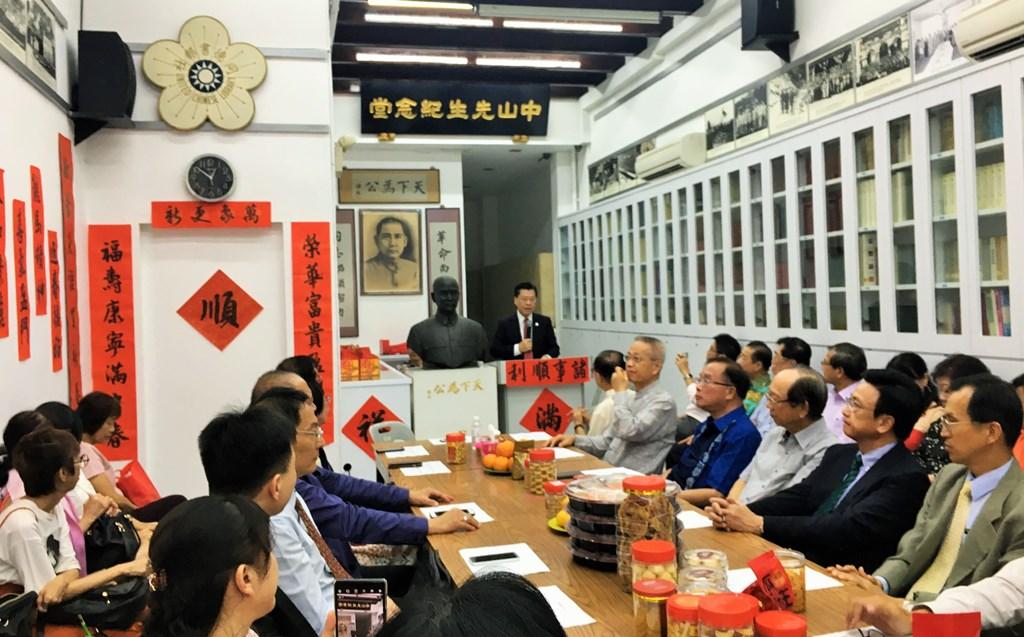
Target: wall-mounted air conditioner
[(990, 28), (687, 152)]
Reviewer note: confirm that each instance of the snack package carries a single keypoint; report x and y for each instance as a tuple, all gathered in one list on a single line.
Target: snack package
[(772, 586)]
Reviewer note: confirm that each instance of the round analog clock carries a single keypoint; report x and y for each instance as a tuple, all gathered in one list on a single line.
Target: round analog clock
[(210, 178)]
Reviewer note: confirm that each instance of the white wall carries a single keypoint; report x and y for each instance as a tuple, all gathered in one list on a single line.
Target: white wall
[(29, 125)]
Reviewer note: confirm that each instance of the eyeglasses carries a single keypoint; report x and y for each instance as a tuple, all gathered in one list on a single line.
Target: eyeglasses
[(772, 398), (317, 433), (82, 460), (856, 405), (870, 632), (945, 422), (634, 359), (704, 380)]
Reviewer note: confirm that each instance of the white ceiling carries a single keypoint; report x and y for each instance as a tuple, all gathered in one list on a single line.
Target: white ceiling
[(491, 170)]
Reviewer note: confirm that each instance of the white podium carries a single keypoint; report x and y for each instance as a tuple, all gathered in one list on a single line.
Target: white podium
[(446, 400)]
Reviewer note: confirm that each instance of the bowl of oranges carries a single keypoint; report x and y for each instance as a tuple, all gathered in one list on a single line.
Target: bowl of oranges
[(500, 462)]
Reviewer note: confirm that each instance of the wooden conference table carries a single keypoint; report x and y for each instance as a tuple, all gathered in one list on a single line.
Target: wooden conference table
[(520, 517)]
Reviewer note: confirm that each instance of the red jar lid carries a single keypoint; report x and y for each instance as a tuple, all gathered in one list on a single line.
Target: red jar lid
[(654, 588), (728, 610), (458, 436), (781, 623), (644, 483), (543, 454), (683, 607), (654, 551), (555, 487)]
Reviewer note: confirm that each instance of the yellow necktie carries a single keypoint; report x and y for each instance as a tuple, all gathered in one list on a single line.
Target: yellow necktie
[(934, 579)]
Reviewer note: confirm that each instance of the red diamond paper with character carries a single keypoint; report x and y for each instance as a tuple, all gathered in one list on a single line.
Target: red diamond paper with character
[(220, 310), (357, 429), (548, 413)]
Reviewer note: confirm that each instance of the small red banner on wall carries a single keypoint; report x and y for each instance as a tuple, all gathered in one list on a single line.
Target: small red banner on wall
[(67, 207), (313, 308), (357, 429), (112, 326), (548, 413), (56, 340), (21, 293), (220, 310), (200, 214), (38, 238), (547, 371), (5, 308)]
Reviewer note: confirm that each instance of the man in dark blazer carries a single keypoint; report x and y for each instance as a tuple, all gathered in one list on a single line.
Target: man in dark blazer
[(524, 334), (862, 498)]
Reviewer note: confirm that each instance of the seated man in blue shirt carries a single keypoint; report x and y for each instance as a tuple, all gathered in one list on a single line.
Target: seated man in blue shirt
[(724, 444), (350, 510)]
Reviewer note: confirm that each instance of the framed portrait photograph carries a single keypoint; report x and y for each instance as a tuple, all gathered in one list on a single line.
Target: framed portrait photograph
[(391, 253)]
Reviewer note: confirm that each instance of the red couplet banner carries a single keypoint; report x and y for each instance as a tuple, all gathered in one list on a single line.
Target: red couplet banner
[(56, 340), (67, 207), (38, 238), (5, 308), (547, 371), (199, 214), (312, 306), (112, 326), (21, 294)]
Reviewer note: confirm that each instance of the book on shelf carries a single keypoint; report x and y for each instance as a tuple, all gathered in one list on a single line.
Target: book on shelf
[(869, 259), (947, 194), (867, 208), (782, 275), (992, 122), (902, 196), (947, 256), (947, 314), (900, 144), (995, 311), (806, 215), (997, 265), (946, 131), (991, 180)]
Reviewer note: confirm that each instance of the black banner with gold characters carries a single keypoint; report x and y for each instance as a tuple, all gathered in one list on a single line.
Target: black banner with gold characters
[(454, 108)]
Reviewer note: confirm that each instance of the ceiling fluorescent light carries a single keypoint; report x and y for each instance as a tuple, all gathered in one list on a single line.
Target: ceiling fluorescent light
[(421, 4), (596, 27), (430, 20), (567, 14), (409, 58), (534, 63)]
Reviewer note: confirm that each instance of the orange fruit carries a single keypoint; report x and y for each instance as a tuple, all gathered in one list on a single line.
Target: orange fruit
[(506, 448), (562, 519), (489, 460), (502, 464)]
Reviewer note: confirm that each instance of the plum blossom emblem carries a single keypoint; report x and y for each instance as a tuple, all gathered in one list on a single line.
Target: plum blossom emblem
[(205, 76)]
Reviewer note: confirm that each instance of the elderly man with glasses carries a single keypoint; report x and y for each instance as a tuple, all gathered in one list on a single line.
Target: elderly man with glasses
[(725, 443)]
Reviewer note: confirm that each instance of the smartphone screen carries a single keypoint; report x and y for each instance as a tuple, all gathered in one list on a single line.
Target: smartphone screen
[(437, 514), (360, 606), (493, 557)]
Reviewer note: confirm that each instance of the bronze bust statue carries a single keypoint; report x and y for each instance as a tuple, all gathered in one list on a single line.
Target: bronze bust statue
[(447, 340)]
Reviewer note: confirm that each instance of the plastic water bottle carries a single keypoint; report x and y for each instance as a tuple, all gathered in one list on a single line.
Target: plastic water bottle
[(475, 431)]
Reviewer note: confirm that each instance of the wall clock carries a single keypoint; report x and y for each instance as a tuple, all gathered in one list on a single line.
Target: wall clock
[(210, 178)]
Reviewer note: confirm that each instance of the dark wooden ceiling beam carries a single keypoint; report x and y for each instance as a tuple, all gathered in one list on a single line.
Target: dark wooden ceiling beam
[(520, 40), (603, 63), (444, 73), (664, 6), (557, 90)]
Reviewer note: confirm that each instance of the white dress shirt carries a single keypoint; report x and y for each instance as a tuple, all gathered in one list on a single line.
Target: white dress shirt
[(999, 599), (603, 414), (784, 459), (834, 411), (302, 572)]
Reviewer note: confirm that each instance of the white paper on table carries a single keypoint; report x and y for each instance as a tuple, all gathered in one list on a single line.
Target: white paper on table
[(531, 435), (440, 442), (569, 614), (853, 632), (693, 520), (740, 578), (430, 468), (564, 454), (526, 561), (408, 452), (609, 471), (472, 507)]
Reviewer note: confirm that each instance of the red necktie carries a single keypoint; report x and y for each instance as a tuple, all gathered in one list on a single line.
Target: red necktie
[(526, 334)]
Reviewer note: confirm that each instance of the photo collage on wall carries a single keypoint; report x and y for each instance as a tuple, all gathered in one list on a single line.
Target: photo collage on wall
[(889, 57), (28, 30)]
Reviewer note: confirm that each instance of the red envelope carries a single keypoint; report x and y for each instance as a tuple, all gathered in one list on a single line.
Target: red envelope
[(772, 586), (946, 625)]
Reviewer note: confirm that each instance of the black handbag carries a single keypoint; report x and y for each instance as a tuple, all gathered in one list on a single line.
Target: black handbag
[(111, 540), (18, 614), (116, 604)]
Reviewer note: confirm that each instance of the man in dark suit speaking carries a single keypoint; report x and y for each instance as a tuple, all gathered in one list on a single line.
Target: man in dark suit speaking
[(524, 335)]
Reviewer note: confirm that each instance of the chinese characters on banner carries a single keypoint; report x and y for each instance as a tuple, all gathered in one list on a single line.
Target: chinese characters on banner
[(345, 250), (550, 371), (220, 310), (200, 214), (311, 304), (38, 238), (67, 205), (21, 294), (444, 249), (112, 326), (548, 413), (359, 185), (56, 340), (357, 429), (454, 388), (5, 325)]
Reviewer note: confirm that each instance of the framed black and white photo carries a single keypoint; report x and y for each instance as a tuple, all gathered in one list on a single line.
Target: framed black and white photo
[(41, 53), (616, 173), (934, 46), (787, 100), (390, 251), (883, 59), (831, 79), (14, 26), (751, 116), (718, 123)]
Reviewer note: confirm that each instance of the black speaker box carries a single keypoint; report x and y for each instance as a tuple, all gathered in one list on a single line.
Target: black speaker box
[(106, 82), (769, 25)]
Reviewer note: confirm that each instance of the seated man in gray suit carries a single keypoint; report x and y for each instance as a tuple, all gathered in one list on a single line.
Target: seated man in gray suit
[(972, 521)]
